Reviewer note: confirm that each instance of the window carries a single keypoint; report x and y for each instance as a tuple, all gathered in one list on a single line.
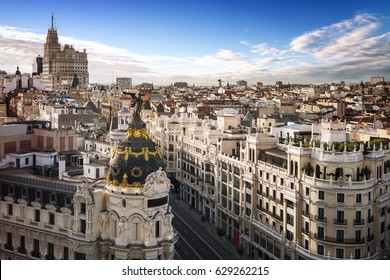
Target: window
[(79, 256), (340, 197), (339, 253), (358, 235), (82, 207), (248, 198), (340, 235), (37, 217), (66, 253), (51, 218), (38, 195), (67, 200), (35, 252), (50, 251), (369, 196), (8, 244), (22, 247), (358, 198), (357, 254), (306, 244), (340, 216), (358, 217), (10, 209), (320, 232), (289, 235), (307, 191), (321, 213), (24, 193), (157, 229), (83, 226), (320, 249), (290, 219), (321, 195), (383, 227)]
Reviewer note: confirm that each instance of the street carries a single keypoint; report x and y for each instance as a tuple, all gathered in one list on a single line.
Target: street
[(197, 239)]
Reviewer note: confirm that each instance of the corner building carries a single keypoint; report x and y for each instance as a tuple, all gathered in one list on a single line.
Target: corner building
[(125, 216)]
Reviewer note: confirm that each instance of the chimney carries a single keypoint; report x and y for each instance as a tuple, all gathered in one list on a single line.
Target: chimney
[(61, 165)]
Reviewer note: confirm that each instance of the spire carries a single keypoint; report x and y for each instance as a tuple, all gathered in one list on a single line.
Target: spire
[(52, 20)]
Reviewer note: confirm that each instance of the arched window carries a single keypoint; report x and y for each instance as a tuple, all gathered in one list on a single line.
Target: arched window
[(318, 171), (339, 172)]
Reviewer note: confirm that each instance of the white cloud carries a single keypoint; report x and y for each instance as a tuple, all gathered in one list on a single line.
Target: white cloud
[(349, 49), (336, 39)]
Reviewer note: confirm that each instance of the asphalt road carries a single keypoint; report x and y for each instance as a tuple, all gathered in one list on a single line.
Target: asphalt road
[(197, 240)]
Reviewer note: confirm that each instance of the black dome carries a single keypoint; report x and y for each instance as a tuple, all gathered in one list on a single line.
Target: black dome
[(134, 158)]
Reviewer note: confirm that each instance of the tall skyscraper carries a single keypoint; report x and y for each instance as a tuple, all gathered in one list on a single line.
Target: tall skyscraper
[(62, 64), (37, 65)]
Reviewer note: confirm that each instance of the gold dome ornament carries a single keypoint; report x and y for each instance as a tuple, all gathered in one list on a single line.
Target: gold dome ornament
[(134, 132), (124, 183)]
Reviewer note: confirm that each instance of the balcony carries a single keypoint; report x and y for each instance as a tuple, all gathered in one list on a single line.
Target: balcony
[(339, 240), (49, 257), (9, 247), (370, 238), (370, 219), (306, 214), (307, 232), (22, 251), (340, 222), (337, 156), (274, 215), (320, 218), (358, 222), (383, 198), (36, 254)]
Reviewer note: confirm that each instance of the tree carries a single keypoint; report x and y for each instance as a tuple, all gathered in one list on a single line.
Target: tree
[(220, 232)]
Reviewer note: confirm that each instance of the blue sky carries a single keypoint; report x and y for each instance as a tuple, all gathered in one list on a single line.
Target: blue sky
[(202, 41)]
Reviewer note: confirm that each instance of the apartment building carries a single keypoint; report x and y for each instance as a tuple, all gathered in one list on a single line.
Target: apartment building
[(322, 197)]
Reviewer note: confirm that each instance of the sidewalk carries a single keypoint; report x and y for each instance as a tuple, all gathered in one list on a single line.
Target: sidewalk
[(227, 244)]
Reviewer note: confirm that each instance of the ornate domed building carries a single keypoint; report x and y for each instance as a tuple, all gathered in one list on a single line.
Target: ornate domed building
[(138, 217), (126, 216)]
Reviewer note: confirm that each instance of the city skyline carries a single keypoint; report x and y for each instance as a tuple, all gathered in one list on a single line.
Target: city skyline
[(200, 42)]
